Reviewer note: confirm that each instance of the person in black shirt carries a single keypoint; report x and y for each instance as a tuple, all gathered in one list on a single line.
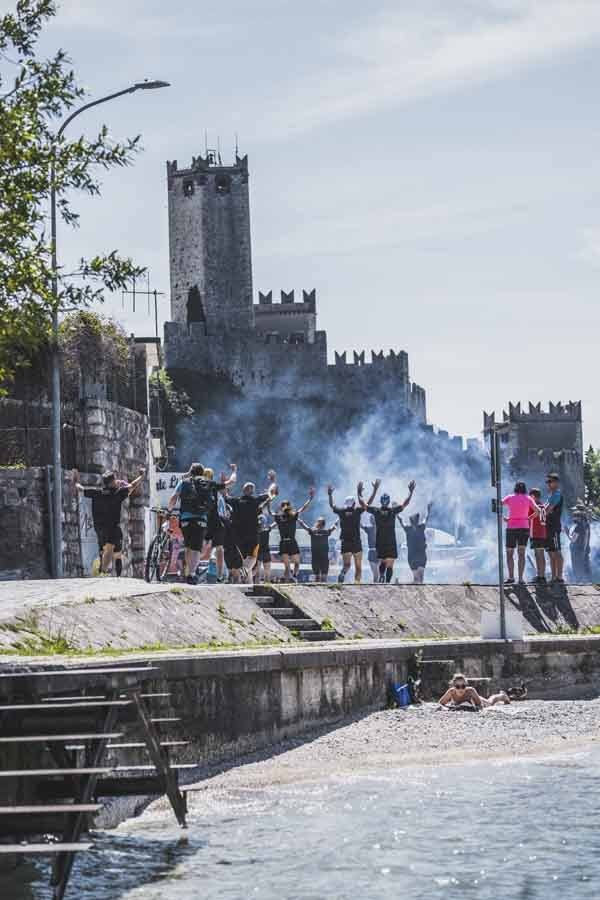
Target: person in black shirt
[(215, 530), (416, 544), (319, 546), (197, 496), (106, 515), (286, 520), (385, 522), (264, 549), (349, 516), (245, 512)]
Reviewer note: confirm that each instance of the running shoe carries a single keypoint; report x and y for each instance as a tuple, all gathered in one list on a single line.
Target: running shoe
[(509, 581)]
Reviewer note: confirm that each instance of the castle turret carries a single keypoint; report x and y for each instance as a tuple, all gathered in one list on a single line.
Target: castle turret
[(209, 242)]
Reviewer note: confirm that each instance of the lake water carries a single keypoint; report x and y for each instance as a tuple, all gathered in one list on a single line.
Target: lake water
[(486, 831)]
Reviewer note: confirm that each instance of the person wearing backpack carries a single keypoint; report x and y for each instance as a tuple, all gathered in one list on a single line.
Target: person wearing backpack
[(196, 495)]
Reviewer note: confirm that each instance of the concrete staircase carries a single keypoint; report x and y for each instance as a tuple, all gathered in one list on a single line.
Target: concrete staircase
[(290, 616)]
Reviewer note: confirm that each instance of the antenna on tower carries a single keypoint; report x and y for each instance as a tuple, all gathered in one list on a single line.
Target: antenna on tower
[(237, 146), (219, 151), (206, 142)]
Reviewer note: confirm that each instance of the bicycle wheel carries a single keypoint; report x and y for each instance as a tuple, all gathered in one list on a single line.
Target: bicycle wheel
[(152, 567), (164, 559)]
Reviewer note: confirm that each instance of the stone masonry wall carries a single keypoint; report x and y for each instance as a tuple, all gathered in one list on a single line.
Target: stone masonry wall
[(108, 437)]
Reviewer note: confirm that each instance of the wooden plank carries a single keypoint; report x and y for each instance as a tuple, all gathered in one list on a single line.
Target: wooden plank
[(42, 673), (152, 768), (43, 849), (141, 744), (47, 738), (41, 773), (60, 699), (47, 810), (19, 707)]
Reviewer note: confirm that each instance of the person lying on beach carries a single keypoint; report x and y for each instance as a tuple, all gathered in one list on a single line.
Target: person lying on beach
[(460, 696)]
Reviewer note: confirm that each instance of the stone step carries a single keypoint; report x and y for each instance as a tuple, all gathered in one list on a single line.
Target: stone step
[(299, 624), (318, 635), (281, 612), (271, 602)]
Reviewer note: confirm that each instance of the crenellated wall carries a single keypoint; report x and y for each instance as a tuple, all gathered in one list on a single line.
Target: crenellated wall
[(538, 441)]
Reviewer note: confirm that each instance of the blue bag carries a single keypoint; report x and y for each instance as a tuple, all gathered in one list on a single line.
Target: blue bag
[(401, 694)]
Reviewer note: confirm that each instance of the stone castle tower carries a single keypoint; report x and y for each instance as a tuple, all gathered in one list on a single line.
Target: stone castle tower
[(535, 442), (273, 350), (209, 238)]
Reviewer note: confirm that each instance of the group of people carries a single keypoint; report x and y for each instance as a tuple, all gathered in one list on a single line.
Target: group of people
[(538, 523), (237, 529)]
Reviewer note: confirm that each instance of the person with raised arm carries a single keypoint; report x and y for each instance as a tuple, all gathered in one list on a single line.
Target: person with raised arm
[(196, 495), (416, 543), (287, 520), (385, 523), (319, 546), (349, 515), (245, 512), (106, 515), (214, 538)]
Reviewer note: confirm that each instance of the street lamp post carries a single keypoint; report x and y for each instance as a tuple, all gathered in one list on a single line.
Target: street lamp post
[(56, 416)]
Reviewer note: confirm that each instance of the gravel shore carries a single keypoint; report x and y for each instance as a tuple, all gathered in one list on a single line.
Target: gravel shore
[(422, 735)]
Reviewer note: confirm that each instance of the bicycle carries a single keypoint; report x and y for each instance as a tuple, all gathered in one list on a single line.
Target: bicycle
[(160, 551)]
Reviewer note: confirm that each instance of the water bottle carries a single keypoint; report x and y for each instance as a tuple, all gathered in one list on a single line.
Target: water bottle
[(211, 575)]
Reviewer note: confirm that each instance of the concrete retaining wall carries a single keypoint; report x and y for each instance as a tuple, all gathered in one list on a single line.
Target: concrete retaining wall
[(234, 703)]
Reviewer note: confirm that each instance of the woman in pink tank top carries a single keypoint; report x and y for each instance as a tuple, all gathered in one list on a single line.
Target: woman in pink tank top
[(520, 506)]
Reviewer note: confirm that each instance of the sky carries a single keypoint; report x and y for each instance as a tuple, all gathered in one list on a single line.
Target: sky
[(431, 168)]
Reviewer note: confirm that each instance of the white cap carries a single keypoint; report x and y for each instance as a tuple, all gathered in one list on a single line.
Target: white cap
[(349, 502)]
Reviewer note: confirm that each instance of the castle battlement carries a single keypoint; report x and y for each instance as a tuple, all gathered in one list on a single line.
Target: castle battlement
[(556, 412), (270, 344), (394, 360), (288, 302)]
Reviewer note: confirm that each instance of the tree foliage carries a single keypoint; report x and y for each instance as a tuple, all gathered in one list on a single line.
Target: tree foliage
[(35, 96), (93, 348), (591, 475)]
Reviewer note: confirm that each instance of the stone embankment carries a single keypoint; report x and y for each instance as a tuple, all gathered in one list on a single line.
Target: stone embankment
[(94, 615)]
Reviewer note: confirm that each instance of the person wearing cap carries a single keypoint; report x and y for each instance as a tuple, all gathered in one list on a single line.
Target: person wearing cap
[(554, 507), (385, 521), (349, 515), (579, 544)]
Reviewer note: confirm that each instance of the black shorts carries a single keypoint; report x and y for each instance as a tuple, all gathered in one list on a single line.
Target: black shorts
[(516, 537), (553, 542), (351, 547), (248, 546), (110, 534), (233, 558), (539, 543), (215, 533), (193, 534), (320, 565), (387, 551), (417, 562), (289, 546)]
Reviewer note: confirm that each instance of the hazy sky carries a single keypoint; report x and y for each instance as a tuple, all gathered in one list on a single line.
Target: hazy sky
[(431, 167)]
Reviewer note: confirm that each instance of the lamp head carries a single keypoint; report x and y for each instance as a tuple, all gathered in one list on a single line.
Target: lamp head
[(150, 85)]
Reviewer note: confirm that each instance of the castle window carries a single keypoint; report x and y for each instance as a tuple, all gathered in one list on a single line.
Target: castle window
[(223, 184), (195, 309), (188, 187)]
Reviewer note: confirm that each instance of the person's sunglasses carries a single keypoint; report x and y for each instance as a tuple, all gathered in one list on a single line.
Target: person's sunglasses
[(460, 686)]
